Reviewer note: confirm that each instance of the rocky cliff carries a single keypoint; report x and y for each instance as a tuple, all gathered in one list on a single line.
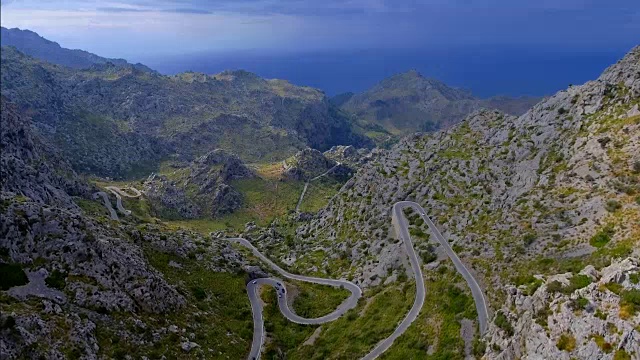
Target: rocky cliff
[(200, 189)]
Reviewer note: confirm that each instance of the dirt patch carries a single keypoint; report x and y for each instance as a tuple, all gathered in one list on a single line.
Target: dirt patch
[(312, 339)]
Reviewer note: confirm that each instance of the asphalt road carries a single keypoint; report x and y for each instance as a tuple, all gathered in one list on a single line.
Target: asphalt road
[(117, 192), (402, 229), (256, 304), (476, 291), (107, 204)]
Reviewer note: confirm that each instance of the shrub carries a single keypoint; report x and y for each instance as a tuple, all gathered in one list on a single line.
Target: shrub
[(603, 237), (612, 205), (602, 344), (562, 111), (503, 323), (577, 282), (566, 342), (636, 167), (529, 239), (579, 303), (8, 323), (479, 347), (198, 293), (12, 275), (56, 279), (614, 287), (554, 286), (631, 298), (621, 355)]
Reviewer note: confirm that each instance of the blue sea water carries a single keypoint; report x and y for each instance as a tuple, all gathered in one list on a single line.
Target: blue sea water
[(484, 71)]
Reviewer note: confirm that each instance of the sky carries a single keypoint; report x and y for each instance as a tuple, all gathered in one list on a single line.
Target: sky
[(158, 31)]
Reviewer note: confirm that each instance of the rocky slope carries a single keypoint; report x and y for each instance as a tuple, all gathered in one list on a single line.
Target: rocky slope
[(590, 315), (199, 190), (118, 120), (35, 45), (409, 102), (562, 171), (76, 285), (551, 191)]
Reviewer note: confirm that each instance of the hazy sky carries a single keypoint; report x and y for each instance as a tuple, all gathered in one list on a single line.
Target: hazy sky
[(147, 28)]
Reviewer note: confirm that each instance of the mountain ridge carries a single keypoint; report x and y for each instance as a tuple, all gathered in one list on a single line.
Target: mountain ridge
[(408, 102), (31, 43), (111, 119)]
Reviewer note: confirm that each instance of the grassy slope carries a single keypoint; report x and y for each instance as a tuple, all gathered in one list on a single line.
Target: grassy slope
[(316, 300), (318, 194)]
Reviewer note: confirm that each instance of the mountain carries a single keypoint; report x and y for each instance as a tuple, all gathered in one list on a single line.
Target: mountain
[(38, 47), (200, 189), (96, 287), (553, 194), (120, 121), (409, 102)]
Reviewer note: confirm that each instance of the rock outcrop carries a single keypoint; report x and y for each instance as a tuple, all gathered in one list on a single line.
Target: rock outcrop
[(598, 320), (199, 190), (307, 164)]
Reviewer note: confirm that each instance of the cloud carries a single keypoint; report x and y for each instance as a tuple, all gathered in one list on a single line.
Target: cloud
[(120, 9), (296, 25), (188, 11)]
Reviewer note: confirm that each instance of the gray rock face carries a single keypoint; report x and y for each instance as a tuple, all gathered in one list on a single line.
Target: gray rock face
[(307, 164), (24, 164), (349, 155), (200, 189), (598, 326)]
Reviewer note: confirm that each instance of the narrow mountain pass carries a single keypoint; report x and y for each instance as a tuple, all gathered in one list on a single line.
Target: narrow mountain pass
[(118, 192), (402, 229)]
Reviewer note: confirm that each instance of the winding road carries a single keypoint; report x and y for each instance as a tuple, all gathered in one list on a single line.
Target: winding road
[(256, 304), (118, 192), (107, 204), (402, 229)]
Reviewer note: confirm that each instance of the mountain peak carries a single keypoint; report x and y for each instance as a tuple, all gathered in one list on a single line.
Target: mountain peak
[(34, 45), (626, 70)]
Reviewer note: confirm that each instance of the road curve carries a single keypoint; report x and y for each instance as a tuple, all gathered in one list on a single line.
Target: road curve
[(476, 291), (115, 189), (107, 204), (402, 229), (256, 305), (117, 192)]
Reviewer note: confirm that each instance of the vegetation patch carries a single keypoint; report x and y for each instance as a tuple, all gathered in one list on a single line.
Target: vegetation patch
[(375, 318), (315, 300), (566, 342), (12, 275), (503, 323), (56, 280), (437, 330), (602, 237)]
